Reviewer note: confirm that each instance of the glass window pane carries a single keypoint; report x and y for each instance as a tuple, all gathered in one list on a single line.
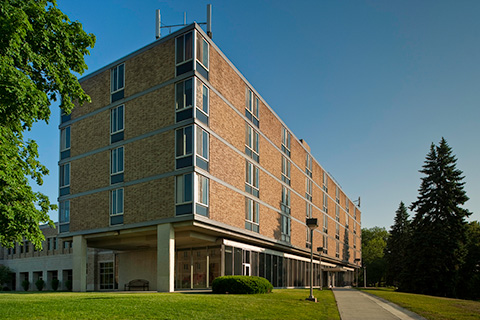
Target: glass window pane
[(120, 201), (188, 140), (205, 53), (120, 159), (188, 187), (179, 191), (120, 118), (205, 145), (114, 202), (179, 103), (179, 143), (205, 99), (179, 47), (121, 73), (188, 93), (188, 46)]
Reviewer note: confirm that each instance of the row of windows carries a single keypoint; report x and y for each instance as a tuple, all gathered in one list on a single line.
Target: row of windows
[(49, 245)]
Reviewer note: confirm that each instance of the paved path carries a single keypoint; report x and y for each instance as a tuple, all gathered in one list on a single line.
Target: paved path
[(356, 305)]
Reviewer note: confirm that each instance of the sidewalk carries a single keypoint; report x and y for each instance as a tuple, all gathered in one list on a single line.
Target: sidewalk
[(356, 305)]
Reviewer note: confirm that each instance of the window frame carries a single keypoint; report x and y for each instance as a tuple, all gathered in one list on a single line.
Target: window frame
[(62, 175), (325, 202), (325, 223), (286, 141), (115, 206), (201, 40), (286, 170), (114, 119), (185, 152), (252, 178), (184, 60), (309, 165), (252, 148), (184, 95), (252, 106), (200, 136), (337, 194), (325, 182), (252, 215), (64, 134), (114, 153), (183, 190), (337, 212), (112, 78), (201, 179), (309, 189)]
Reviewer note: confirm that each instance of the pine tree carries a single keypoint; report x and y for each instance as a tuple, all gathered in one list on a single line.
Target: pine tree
[(436, 249), (397, 245)]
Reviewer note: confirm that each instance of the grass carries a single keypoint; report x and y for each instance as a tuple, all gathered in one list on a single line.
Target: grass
[(281, 304), (430, 307)]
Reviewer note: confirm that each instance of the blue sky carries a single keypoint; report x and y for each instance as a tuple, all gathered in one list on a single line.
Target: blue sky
[(368, 84)]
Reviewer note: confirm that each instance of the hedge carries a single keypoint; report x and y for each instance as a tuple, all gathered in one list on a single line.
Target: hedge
[(241, 285)]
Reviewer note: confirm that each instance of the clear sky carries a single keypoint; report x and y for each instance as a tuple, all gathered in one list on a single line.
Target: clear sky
[(368, 84)]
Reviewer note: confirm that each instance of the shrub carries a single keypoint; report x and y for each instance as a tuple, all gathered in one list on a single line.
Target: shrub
[(40, 284), (25, 284), (55, 284), (6, 289), (5, 274), (241, 284), (68, 284)]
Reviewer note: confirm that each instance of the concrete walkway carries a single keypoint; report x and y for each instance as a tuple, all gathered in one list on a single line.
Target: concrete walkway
[(356, 305)]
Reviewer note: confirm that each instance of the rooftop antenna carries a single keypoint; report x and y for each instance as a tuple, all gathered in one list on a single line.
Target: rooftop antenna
[(357, 201), (158, 23)]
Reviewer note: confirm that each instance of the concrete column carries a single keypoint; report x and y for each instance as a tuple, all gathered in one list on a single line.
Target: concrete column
[(47, 280), (165, 257), (32, 282), (18, 282), (61, 286), (79, 264)]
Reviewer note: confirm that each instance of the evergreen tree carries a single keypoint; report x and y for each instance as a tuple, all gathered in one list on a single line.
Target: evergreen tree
[(397, 245), (436, 249), (469, 286)]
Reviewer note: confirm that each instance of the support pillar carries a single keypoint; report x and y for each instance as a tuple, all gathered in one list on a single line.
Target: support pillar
[(32, 281), (18, 282), (165, 257), (61, 285), (79, 264)]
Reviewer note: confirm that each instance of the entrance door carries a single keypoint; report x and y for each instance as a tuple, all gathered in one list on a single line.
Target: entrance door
[(246, 263)]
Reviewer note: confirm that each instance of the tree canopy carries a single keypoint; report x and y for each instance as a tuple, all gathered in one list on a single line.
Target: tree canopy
[(40, 50), (374, 241)]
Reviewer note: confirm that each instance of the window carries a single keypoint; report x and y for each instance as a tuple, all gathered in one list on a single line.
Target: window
[(325, 244), (347, 221), (337, 213), (65, 139), (354, 228), (116, 160), (184, 189), (308, 165), (116, 204), (116, 119), (252, 215), (183, 47), (202, 195), (337, 249), (286, 220), (202, 102), (325, 202), (202, 50), (117, 78), (184, 94), (325, 223), (286, 138), (64, 216), (309, 210), (107, 276), (347, 205), (285, 204), (252, 179), (65, 175), (308, 192), (355, 213), (251, 107), (286, 170), (27, 246), (251, 143), (325, 182), (337, 194), (184, 147), (337, 231), (202, 143)]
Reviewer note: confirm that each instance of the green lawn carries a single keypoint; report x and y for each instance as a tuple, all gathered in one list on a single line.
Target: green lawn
[(431, 307), (281, 304)]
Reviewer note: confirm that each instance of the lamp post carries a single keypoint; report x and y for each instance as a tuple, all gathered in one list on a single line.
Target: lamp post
[(312, 223), (356, 261), (320, 249)]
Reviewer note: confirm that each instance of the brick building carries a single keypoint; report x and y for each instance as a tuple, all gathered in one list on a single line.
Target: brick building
[(181, 172)]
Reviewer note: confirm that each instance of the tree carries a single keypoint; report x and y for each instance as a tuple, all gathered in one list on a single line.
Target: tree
[(5, 275), (374, 241), (40, 49), (397, 246), (469, 284), (436, 250)]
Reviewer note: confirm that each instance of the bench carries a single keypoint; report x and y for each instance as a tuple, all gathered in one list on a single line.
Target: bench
[(137, 285)]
